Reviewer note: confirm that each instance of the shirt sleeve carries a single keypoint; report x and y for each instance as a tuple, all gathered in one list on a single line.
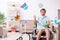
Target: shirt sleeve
[(47, 18)]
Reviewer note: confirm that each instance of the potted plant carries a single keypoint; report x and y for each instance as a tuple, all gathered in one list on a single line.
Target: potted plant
[(1, 18)]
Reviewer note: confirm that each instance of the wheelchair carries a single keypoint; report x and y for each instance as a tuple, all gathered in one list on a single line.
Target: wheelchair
[(43, 35)]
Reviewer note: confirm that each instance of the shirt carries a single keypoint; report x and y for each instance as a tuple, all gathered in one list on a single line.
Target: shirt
[(40, 21)]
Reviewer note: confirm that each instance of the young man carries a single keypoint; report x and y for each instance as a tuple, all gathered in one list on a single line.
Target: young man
[(41, 22)]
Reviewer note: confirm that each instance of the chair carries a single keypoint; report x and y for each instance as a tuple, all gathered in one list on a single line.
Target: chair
[(3, 33), (43, 35)]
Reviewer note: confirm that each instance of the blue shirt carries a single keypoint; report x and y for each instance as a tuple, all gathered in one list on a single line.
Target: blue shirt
[(41, 21)]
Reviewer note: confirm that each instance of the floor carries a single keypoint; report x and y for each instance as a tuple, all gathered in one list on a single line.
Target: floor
[(55, 36), (11, 36), (15, 35)]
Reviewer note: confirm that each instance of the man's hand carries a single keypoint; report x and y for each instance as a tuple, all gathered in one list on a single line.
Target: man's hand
[(34, 17), (35, 22)]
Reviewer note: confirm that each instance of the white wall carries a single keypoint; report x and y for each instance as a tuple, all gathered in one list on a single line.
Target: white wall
[(50, 5), (3, 7)]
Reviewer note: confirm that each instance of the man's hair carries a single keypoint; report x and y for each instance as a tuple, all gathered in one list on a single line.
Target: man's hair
[(43, 9)]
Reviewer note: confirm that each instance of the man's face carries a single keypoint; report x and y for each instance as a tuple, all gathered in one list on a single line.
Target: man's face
[(42, 12)]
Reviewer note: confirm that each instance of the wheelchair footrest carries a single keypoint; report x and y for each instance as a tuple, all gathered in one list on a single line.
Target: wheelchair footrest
[(42, 38)]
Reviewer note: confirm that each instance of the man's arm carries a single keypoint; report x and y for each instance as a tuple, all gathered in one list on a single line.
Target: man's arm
[(35, 21)]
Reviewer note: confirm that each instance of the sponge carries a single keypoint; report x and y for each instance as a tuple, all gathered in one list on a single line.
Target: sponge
[(47, 25)]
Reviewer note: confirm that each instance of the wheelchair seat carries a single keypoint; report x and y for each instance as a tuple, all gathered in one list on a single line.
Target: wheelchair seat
[(43, 34)]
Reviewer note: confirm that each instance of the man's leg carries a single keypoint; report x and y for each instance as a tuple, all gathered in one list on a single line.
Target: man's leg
[(47, 34), (39, 34)]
